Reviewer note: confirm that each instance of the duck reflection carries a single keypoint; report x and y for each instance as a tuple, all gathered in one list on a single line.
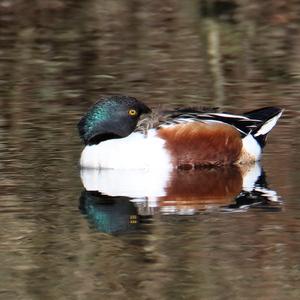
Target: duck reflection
[(109, 214), (119, 200)]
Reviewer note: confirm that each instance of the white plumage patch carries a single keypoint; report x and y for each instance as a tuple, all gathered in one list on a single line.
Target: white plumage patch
[(268, 125), (135, 151), (229, 116), (251, 176), (130, 183), (251, 150)]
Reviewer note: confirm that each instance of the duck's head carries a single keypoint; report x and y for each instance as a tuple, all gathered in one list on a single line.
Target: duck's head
[(110, 118)]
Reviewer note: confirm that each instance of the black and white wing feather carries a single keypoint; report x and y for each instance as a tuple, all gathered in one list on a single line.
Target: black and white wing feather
[(257, 122), (242, 123)]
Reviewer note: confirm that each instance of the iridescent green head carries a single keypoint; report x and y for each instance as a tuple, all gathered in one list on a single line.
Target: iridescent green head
[(110, 118)]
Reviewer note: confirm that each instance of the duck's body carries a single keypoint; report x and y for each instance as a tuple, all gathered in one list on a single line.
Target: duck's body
[(185, 138)]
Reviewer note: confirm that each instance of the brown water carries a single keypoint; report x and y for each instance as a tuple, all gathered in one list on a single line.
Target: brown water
[(59, 241)]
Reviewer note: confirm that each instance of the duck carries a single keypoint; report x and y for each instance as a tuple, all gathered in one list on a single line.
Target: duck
[(121, 132)]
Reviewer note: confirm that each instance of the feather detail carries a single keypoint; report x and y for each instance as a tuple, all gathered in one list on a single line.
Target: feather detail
[(196, 143)]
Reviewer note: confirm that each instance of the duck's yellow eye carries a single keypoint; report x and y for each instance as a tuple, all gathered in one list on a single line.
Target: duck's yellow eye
[(132, 112)]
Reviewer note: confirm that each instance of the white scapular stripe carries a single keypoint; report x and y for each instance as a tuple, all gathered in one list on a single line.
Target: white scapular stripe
[(229, 116)]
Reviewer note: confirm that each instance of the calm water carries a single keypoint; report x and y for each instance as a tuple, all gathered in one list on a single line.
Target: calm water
[(67, 234)]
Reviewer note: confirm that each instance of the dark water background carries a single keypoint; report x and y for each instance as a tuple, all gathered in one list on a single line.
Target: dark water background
[(56, 58)]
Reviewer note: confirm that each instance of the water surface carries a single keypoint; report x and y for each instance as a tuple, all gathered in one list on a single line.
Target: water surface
[(60, 239)]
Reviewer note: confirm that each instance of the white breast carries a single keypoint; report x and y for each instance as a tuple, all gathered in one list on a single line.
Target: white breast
[(135, 151)]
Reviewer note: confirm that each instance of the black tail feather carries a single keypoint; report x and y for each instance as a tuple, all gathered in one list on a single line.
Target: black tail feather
[(264, 114)]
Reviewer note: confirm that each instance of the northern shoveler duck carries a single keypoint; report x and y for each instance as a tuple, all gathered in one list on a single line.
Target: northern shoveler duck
[(116, 137)]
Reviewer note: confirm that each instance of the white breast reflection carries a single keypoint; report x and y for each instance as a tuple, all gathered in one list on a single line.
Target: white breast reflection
[(183, 191)]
